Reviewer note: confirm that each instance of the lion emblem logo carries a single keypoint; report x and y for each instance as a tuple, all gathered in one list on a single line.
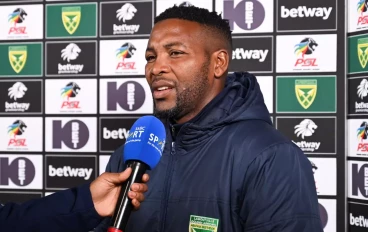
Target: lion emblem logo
[(126, 12), (363, 89), (70, 90), (362, 131), (125, 51), (17, 91), (17, 128), (306, 128), (305, 47), (70, 52), (18, 16)]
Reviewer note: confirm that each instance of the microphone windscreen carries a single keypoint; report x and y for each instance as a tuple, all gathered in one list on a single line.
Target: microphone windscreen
[(146, 141)]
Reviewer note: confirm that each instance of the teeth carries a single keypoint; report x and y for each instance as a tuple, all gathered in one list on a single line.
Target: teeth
[(162, 88)]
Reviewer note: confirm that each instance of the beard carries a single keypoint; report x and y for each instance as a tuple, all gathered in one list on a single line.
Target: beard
[(187, 100)]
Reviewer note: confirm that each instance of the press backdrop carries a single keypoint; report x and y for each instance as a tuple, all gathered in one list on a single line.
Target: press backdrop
[(72, 84)]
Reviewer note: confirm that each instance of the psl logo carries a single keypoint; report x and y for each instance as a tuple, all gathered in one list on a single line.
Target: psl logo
[(362, 134), (71, 90), (125, 51), (16, 129), (363, 51), (305, 47), (305, 91), (17, 57), (362, 7), (71, 17), (18, 16)]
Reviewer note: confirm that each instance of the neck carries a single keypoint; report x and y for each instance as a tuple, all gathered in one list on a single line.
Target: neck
[(202, 103)]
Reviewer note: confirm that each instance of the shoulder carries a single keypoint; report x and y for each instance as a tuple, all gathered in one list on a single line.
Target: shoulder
[(256, 137), (116, 163)]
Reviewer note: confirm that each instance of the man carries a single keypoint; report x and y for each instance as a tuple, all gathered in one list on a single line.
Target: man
[(225, 167), (78, 209)]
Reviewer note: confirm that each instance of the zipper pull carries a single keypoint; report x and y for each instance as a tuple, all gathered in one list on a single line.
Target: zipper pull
[(172, 148)]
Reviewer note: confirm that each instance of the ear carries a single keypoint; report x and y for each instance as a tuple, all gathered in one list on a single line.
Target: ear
[(221, 63)]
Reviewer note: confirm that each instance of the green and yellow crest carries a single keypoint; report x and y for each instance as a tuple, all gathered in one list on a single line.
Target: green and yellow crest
[(17, 57), (363, 51), (306, 91), (203, 224), (71, 18)]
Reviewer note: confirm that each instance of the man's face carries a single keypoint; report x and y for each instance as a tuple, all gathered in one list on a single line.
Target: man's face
[(177, 67)]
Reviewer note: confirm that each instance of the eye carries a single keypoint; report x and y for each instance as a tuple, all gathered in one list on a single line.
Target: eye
[(149, 58), (176, 53)]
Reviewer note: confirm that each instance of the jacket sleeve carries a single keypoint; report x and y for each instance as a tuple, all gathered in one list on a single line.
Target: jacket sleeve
[(280, 193), (68, 210)]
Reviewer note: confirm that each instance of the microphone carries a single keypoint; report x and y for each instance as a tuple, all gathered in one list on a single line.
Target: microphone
[(142, 151)]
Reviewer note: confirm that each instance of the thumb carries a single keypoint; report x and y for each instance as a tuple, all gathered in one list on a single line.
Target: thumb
[(123, 176), (118, 178)]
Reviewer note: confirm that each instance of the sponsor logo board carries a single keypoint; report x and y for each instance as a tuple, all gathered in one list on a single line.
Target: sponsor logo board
[(62, 172), (72, 58), (122, 57), (253, 53), (312, 15), (306, 53), (247, 16), (71, 20), (21, 59), (125, 96), (313, 135), (126, 18), (21, 96), (71, 134), (65, 96), (21, 171), (306, 94)]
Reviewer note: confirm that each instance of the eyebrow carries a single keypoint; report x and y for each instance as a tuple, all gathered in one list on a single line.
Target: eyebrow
[(167, 46)]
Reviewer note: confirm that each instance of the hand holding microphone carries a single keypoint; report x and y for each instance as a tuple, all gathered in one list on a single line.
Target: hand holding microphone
[(106, 187), (142, 151)]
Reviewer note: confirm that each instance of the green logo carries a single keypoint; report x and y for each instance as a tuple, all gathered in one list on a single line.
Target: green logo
[(363, 51), (21, 59), (17, 57), (202, 224), (358, 54), (78, 20), (306, 94), (306, 91), (71, 17)]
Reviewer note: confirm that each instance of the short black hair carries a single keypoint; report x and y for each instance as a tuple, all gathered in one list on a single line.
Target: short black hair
[(213, 21)]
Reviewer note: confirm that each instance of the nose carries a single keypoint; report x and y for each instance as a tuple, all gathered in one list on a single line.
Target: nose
[(159, 66)]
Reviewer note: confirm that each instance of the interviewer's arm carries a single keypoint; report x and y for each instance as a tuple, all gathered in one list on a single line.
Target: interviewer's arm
[(69, 210), (280, 193)]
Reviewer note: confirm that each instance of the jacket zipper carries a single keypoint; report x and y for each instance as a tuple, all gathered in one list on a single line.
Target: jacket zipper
[(167, 188)]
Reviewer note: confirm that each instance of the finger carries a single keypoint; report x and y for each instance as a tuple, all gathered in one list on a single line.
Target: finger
[(136, 204), (136, 195), (145, 178), (139, 187)]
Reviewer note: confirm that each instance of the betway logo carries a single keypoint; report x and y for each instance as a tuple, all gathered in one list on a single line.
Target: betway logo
[(361, 107), (70, 68), (358, 221), (125, 29), (241, 54), (16, 107), (68, 171), (308, 146), (121, 133), (303, 11)]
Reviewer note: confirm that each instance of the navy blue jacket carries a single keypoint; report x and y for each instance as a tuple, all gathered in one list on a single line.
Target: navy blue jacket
[(228, 163), (71, 210)]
